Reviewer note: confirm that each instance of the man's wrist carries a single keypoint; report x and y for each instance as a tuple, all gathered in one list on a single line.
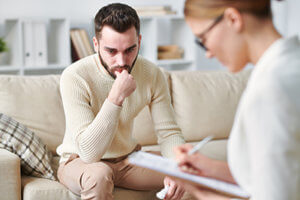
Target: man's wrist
[(118, 100)]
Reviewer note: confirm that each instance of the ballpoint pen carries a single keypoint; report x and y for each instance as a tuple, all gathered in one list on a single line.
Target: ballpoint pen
[(200, 144)]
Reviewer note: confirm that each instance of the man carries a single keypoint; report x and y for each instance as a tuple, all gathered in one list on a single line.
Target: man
[(102, 94)]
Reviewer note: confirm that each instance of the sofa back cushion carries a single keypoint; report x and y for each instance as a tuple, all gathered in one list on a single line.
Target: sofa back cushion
[(35, 102), (205, 102)]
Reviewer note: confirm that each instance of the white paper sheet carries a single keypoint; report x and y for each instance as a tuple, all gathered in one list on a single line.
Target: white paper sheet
[(170, 167)]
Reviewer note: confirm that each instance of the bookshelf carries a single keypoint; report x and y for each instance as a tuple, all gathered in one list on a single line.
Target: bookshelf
[(57, 47), (155, 30), (168, 30)]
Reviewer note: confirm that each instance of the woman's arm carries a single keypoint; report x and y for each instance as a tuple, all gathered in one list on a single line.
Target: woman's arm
[(201, 165)]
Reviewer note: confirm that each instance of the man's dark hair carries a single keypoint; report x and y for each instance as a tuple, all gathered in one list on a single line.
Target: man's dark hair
[(119, 16)]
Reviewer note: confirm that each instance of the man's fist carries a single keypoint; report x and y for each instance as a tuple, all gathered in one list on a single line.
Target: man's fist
[(123, 86)]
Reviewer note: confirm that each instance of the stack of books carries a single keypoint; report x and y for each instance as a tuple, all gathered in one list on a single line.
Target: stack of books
[(80, 44), (154, 10), (169, 52)]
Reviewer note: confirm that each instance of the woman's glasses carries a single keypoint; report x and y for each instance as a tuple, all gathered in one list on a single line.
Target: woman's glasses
[(199, 39)]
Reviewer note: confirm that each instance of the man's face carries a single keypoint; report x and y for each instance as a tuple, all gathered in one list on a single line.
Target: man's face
[(117, 51)]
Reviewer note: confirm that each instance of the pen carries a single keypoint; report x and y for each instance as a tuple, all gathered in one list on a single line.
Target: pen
[(199, 145)]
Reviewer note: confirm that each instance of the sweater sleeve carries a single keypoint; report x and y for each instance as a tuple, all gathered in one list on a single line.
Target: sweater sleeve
[(92, 133), (168, 132)]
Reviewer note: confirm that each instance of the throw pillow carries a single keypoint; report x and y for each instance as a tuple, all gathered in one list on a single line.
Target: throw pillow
[(34, 155)]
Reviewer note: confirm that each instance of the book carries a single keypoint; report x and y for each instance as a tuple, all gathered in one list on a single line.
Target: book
[(75, 43), (169, 52), (86, 42), (80, 44), (170, 168), (154, 10)]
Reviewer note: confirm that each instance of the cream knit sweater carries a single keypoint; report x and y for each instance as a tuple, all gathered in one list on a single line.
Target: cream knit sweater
[(97, 128)]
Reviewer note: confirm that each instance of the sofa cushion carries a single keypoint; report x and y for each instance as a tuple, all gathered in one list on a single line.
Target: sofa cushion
[(205, 103), (34, 155), (35, 102), (10, 181), (39, 188), (216, 149)]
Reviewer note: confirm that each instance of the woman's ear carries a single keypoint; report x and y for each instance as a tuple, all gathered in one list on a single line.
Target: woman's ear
[(234, 19)]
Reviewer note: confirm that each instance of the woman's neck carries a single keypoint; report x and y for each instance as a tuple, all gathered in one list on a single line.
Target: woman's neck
[(260, 36)]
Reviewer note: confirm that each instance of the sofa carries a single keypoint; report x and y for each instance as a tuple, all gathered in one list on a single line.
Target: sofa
[(204, 102)]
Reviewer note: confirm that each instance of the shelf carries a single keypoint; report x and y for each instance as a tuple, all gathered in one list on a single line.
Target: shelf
[(49, 67), (174, 62), (8, 68)]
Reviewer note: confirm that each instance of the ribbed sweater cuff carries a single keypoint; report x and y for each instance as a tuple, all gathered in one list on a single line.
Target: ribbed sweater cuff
[(110, 110)]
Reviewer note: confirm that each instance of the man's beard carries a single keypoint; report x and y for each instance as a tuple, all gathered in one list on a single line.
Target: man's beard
[(111, 73)]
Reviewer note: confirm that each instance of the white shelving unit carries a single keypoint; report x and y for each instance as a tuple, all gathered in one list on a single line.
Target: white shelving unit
[(167, 30), (158, 30), (58, 48)]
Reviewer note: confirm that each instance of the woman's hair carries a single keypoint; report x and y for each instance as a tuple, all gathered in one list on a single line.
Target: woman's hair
[(214, 8)]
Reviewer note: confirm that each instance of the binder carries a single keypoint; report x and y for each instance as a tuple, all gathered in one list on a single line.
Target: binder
[(28, 43), (40, 44)]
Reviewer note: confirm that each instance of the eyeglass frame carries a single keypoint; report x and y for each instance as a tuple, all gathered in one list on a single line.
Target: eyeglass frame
[(200, 41)]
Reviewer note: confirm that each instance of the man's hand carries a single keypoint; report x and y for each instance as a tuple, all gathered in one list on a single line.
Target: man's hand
[(175, 191), (123, 86), (201, 193)]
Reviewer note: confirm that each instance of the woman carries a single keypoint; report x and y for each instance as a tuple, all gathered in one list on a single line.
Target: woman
[(264, 144)]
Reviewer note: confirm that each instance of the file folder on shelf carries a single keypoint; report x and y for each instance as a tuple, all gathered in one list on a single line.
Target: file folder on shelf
[(40, 44), (28, 43)]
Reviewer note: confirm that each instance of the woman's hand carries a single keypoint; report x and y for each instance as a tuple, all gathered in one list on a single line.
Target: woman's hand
[(196, 163)]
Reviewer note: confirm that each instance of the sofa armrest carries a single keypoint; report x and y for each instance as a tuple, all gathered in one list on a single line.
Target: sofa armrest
[(10, 173)]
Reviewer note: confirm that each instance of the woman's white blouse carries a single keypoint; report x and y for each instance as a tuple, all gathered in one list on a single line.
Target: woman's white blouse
[(264, 145)]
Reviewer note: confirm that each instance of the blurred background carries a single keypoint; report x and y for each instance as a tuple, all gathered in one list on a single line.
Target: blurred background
[(166, 40)]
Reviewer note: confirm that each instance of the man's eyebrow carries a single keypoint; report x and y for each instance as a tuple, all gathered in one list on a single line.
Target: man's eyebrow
[(110, 49), (133, 46)]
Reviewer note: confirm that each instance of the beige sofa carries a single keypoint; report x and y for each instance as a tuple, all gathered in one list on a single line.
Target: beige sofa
[(204, 103)]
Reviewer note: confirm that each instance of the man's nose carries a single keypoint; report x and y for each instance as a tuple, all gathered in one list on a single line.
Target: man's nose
[(121, 60)]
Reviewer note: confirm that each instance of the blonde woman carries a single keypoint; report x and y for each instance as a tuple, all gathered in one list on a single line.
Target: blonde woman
[(264, 144)]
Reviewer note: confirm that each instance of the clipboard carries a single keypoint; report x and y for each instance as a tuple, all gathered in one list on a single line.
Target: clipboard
[(169, 167)]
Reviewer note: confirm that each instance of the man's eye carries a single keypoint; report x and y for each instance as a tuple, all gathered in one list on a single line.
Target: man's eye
[(130, 50), (111, 51)]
